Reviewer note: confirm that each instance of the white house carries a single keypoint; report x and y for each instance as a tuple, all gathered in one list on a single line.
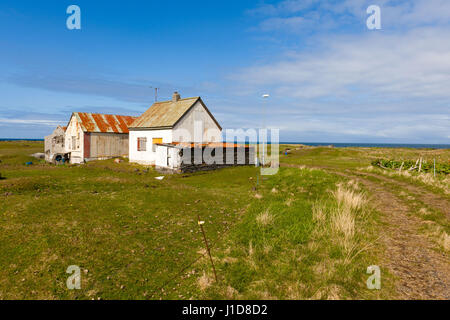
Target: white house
[(170, 123)]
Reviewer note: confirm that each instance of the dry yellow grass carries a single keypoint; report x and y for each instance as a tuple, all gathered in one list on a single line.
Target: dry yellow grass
[(267, 248), (229, 260), (250, 248), (353, 184), (429, 179), (425, 178), (349, 198), (230, 292), (204, 281), (318, 213), (342, 219), (264, 218), (343, 222), (445, 241)]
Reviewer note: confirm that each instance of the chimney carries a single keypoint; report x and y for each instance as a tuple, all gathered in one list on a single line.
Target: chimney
[(175, 97)]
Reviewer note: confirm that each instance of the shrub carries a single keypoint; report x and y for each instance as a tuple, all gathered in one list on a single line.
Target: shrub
[(427, 166)]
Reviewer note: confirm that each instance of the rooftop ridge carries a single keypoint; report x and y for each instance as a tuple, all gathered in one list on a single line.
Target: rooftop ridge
[(107, 114), (181, 99)]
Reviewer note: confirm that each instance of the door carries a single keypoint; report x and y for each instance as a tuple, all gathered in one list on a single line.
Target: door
[(168, 157)]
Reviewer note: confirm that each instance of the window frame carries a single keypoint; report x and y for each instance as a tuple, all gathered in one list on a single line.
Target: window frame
[(141, 144)]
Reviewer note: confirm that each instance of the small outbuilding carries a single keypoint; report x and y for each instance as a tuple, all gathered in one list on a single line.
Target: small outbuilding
[(93, 136), (54, 145)]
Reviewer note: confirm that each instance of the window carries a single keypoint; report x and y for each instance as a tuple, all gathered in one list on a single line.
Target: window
[(154, 142), (74, 141), (58, 140), (141, 144)]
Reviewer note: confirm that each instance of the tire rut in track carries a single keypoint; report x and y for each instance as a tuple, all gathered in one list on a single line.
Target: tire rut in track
[(427, 197), (421, 272)]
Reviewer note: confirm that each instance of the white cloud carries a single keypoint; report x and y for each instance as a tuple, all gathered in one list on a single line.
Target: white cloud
[(39, 122), (320, 15), (292, 23), (415, 64), (390, 85)]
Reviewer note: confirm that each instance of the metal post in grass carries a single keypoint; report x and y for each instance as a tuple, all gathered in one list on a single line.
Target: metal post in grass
[(200, 223), (434, 167), (265, 97)]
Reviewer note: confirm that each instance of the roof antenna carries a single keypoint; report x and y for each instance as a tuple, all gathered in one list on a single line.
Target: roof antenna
[(156, 93)]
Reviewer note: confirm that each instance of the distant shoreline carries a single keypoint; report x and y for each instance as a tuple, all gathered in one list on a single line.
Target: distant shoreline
[(373, 145), (324, 144), (31, 140)]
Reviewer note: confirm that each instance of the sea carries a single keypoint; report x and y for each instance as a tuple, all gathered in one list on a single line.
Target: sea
[(375, 145), (335, 144)]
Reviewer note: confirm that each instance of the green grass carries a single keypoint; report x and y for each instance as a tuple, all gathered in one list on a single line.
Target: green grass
[(361, 159), (135, 237), (18, 152), (131, 233), (345, 158), (290, 255), (435, 226)]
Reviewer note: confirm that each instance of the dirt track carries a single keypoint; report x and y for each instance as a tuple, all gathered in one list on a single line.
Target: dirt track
[(421, 271)]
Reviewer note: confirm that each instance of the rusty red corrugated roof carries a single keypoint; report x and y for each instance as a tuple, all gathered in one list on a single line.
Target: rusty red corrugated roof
[(106, 123)]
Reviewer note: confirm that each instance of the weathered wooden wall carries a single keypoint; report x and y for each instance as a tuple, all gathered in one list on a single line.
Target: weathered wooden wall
[(107, 145)]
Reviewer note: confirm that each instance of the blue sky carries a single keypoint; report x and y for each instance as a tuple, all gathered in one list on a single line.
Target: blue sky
[(330, 78)]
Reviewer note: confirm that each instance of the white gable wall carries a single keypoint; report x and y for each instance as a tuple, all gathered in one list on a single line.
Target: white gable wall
[(182, 132), (76, 150), (211, 132)]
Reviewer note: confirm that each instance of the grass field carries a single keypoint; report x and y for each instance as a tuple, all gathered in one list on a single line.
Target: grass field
[(308, 232)]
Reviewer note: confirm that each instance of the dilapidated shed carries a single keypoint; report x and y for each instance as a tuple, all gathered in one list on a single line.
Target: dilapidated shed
[(93, 136), (54, 145), (190, 157)]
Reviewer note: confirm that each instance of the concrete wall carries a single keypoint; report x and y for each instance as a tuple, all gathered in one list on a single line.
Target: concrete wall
[(210, 131), (167, 157), (147, 157)]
